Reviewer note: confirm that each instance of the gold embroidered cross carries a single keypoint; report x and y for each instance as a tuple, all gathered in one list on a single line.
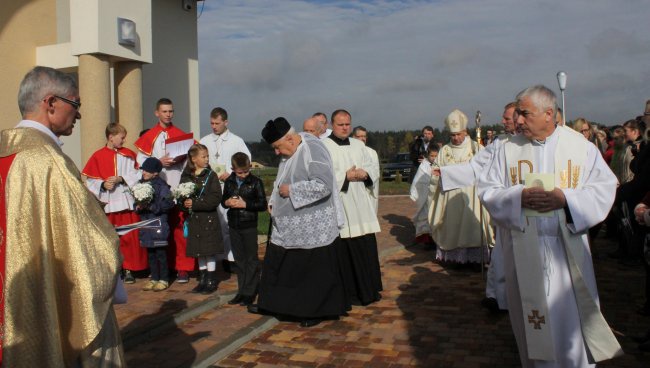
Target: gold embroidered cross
[(536, 319)]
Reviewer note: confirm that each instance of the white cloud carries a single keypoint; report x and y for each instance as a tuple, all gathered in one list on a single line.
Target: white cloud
[(403, 64)]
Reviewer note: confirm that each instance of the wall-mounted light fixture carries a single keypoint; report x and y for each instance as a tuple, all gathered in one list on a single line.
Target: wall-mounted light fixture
[(126, 32)]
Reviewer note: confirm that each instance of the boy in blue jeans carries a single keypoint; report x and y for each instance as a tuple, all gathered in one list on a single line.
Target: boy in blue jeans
[(243, 195)]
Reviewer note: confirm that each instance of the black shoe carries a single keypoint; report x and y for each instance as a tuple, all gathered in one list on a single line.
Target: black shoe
[(246, 300), (490, 304), (128, 277), (211, 284), (203, 281), (253, 308), (238, 298), (310, 322), (226, 266)]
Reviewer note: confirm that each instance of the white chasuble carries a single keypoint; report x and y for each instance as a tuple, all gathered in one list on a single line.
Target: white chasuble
[(550, 280)]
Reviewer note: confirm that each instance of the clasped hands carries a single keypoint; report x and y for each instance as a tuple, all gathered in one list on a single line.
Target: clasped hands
[(235, 202), (542, 201), (112, 181), (354, 174), (639, 211)]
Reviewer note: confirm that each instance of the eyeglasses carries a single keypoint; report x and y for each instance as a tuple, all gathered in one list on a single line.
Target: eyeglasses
[(75, 104)]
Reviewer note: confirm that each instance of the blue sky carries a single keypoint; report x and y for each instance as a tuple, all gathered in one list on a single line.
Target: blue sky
[(406, 64)]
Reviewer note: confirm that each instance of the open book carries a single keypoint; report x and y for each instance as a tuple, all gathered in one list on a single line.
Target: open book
[(178, 146)]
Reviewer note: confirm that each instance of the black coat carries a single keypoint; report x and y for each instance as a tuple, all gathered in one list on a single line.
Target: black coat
[(204, 238), (161, 204), (252, 192)]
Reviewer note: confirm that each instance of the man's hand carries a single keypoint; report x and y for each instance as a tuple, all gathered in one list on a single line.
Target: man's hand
[(435, 171), (354, 174), (188, 204), (284, 190), (542, 201), (639, 211), (167, 161)]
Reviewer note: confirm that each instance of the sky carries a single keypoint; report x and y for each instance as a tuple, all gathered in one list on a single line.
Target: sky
[(398, 65)]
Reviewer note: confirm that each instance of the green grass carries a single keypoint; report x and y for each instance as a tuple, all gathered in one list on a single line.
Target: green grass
[(263, 219)]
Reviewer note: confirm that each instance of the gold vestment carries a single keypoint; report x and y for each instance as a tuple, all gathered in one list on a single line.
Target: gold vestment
[(62, 261)]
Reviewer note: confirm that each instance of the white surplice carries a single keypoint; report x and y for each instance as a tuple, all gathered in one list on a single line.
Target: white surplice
[(422, 188), (220, 150), (588, 204), (374, 168), (120, 198), (357, 200)]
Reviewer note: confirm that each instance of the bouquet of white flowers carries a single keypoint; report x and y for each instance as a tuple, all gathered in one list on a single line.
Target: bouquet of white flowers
[(142, 193), (184, 191)]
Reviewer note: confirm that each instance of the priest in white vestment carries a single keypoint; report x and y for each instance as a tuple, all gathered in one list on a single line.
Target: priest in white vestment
[(551, 287), (355, 181), (456, 224)]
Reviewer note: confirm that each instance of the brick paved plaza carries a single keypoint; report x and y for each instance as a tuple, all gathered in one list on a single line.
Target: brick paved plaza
[(430, 316)]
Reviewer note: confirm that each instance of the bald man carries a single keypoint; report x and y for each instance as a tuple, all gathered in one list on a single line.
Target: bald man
[(312, 126)]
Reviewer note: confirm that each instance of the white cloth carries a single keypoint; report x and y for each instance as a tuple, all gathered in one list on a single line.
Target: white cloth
[(375, 174), (312, 215), (588, 205), (120, 198), (220, 150), (360, 215), (172, 174), (422, 186), (455, 214), (327, 133)]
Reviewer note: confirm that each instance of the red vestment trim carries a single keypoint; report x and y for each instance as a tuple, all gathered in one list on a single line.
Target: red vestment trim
[(103, 163), (5, 164), (146, 142)]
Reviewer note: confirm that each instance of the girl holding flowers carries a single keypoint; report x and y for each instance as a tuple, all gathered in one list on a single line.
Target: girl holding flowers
[(204, 240)]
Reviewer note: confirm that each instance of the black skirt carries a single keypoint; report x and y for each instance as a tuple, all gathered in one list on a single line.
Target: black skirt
[(302, 283), (360, 267)]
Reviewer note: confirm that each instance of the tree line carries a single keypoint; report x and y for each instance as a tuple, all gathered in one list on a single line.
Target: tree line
[(386, 143)]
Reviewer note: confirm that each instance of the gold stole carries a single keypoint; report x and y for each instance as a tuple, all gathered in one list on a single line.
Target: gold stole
[(570, 157)]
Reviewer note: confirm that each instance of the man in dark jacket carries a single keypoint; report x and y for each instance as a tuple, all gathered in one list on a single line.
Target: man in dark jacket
[(244, 196), (419, 147)]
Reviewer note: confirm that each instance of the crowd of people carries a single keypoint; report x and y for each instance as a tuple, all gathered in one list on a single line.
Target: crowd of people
[(528, 202)]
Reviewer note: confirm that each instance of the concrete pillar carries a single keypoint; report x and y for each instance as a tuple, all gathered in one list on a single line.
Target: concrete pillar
[(128, 86), (95, 92)]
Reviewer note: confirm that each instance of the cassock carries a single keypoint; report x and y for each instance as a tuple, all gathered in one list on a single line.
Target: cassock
[(551, 288), (359, 255), (466, 174), (456, 224), (422, 185), (300, 273), (59, 259), (107, 162), (220, 149), (152, 144)]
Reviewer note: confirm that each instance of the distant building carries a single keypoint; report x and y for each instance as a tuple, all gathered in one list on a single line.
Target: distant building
[(126, 55)]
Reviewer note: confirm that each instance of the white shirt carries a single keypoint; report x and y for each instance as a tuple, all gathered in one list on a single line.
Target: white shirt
[(40, 127), (222, 147)]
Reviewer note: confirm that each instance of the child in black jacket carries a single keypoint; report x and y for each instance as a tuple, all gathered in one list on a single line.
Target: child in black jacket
[(243, 195)]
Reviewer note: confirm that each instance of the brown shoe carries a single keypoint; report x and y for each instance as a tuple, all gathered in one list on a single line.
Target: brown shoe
[(161, 285), (149, 285)]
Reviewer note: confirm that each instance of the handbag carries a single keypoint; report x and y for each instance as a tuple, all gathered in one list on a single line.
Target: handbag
[(186, 223)]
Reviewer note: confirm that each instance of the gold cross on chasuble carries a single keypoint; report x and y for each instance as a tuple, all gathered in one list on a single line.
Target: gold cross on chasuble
[(536, 319)]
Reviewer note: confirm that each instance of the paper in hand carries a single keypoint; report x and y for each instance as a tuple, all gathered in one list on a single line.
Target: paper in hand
[(536, 180)]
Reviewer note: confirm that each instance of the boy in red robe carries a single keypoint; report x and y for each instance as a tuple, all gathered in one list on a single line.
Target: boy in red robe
[(110, 172)]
